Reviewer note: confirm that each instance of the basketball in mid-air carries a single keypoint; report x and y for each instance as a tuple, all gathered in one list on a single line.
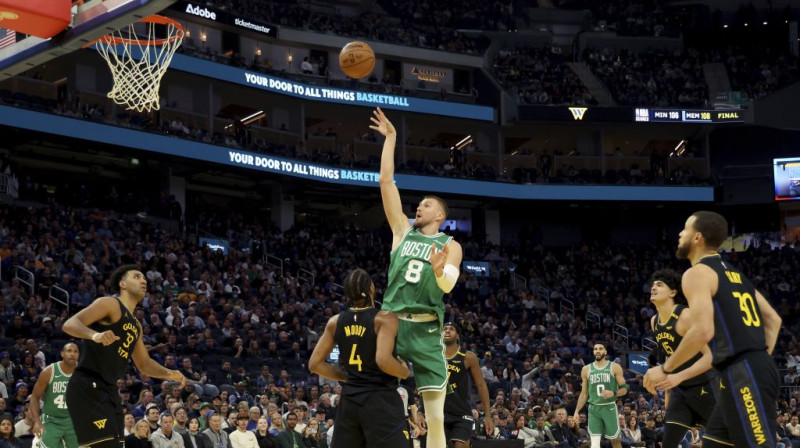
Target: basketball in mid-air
[(357, 59)]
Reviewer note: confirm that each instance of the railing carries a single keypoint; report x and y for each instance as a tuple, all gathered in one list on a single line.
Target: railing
[(26, 277), (621, 331), (593, 318), (649, 344), (9, 185), (567, 305), (541, 291), (518, 282), (337, 291), (277, 263), (56, 291), (304, 275)]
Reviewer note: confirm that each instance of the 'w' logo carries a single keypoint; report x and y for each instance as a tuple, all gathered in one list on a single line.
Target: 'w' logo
[(100, 423), (577, 112)]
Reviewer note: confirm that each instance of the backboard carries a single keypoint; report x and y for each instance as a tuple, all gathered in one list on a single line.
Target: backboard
[(90, 21)]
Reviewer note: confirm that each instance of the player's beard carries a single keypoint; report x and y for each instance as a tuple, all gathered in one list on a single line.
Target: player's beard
[(418, 224), (682, 252), (599, 357)]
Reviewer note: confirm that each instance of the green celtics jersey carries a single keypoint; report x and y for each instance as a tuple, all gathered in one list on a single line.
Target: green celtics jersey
[(55, 403), (412, 284), (601, 380)]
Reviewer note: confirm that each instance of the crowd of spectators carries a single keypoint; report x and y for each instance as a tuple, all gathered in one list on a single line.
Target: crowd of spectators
[(460, 164), (758, 71), (442, 35), (653, 78), (243, 329), (539, 75), (628, 17)]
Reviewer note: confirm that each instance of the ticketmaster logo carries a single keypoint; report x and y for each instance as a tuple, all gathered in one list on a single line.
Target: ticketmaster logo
[(245, 24), (200, 12)]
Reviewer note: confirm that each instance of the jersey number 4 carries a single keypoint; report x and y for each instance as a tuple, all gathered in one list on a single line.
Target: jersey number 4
[(414, 271), (60, 402), (355, 360)]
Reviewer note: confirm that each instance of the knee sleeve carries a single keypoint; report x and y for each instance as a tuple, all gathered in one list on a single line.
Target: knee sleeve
[(596, 441)]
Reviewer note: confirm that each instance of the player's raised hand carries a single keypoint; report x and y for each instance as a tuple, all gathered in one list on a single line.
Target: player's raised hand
[(438, 259), (105, 338), (381, 123)]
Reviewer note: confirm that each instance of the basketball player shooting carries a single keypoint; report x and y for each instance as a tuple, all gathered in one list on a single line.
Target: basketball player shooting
[(424, 265)]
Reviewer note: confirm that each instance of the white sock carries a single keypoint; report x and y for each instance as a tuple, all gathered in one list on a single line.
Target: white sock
[(434, 416), (596, 441)]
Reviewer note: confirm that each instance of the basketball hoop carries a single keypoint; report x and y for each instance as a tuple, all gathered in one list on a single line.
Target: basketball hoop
[(137, 64)]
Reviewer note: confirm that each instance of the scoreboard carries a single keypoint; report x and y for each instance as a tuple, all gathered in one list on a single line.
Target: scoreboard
[(653, 115)]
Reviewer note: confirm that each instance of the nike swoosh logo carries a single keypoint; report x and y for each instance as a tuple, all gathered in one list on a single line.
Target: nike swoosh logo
[(432, 330)]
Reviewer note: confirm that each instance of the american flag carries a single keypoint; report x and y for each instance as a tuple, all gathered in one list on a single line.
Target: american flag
[(7, 37)]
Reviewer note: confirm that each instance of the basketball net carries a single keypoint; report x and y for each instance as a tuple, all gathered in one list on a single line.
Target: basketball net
[(138, 64)]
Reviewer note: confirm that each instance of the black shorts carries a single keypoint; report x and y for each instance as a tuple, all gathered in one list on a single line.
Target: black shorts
[(371, 419), (747, 391), (691, 406), (96, 410), (458, 427)]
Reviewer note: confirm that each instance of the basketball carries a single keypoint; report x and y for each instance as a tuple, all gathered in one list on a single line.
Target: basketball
[(357, 59)]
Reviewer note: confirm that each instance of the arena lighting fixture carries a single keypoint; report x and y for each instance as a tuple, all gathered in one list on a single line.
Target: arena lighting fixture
[(462, 143), (253, 117), (679, 149)]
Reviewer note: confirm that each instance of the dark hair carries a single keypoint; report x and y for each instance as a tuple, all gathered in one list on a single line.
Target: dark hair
[(673, 281), (441, 202), (600, 343), (357, 287), (13, 429), (713, 227), (119, 274)]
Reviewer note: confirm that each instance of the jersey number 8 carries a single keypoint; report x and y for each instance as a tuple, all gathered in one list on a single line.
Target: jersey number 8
[(414, 271)]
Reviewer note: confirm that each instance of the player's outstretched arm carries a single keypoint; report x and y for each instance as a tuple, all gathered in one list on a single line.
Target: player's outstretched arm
[(772, 321), (392, 206), (386, 328), (150, 367), (471, 361), (584, 396), (318, 362), (39, 389), (101, 309)]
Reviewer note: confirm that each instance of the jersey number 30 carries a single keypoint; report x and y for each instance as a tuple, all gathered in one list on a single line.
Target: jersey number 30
[(748, 306), (414, 271)]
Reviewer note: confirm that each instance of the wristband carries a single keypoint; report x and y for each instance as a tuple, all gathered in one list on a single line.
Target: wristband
[(95, 339)]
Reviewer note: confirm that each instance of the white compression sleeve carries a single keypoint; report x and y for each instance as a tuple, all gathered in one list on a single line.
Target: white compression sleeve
[(448, 279), (434, 416)]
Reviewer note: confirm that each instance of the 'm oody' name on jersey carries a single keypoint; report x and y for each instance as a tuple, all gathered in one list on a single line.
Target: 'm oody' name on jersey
[(416, 249)]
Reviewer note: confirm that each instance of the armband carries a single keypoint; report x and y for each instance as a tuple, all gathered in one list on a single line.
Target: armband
[(448, 279), (623, 386)]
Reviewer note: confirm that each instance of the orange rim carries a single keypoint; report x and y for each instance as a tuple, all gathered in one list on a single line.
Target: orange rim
[(157, 19)]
